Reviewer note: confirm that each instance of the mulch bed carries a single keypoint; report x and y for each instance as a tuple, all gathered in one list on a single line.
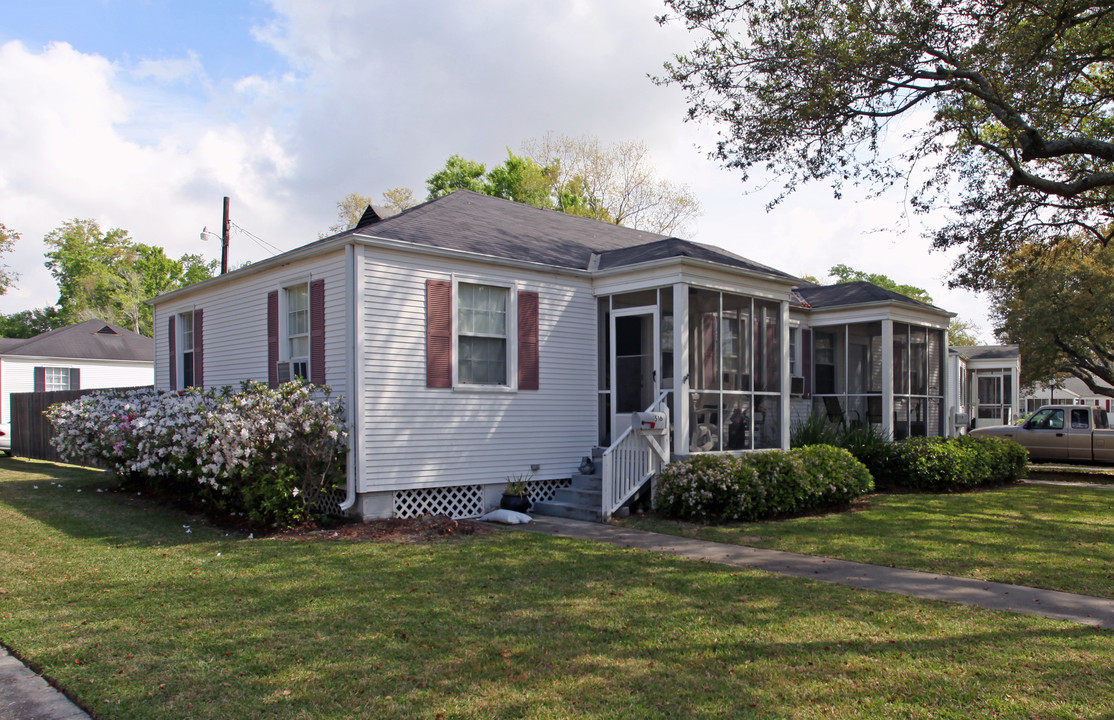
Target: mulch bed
[(428, 528)]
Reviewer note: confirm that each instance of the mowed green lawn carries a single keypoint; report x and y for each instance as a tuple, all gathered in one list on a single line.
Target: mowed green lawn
[(138, 618), (1054, 537)]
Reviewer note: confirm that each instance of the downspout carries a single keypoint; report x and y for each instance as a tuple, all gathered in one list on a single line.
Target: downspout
[(351, 315)]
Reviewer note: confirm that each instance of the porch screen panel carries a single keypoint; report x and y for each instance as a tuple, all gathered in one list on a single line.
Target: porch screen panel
[(918, 361), (935, 362), (901, 359), (767, 349), (736, 343)]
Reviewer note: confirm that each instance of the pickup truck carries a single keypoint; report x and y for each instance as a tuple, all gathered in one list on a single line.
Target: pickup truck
[(1079, 433)]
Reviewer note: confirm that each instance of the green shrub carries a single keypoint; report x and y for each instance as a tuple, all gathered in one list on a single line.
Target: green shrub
[(760, 485), (948, 465)]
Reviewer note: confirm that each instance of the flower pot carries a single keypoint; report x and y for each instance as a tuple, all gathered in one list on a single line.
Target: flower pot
[(518, 503)]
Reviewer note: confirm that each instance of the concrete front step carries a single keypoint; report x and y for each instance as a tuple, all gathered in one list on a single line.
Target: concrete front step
[(554, 508)]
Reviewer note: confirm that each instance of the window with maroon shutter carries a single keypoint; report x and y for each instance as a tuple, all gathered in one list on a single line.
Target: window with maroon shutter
[(172, 342), (272, 338), (439, 333), (198, 349), (528, 363), (317, 332)]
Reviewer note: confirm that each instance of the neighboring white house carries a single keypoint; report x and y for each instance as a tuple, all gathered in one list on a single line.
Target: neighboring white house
[(984, 384), (1069, 391), (475, 339), (90, 354)]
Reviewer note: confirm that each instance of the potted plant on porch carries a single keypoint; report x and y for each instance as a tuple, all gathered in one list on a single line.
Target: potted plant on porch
[(514, 494)]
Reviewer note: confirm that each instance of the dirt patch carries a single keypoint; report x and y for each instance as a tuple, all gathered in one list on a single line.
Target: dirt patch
[(429, 528)]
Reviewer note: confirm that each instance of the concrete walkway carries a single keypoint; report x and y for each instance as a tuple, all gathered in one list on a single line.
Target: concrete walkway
[(1082, 609), (26, 696)]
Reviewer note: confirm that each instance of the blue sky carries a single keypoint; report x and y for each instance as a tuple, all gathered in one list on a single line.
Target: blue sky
[(143, 115)]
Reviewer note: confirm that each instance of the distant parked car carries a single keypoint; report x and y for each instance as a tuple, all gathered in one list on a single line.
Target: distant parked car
[(6, 438), (1061, 432)]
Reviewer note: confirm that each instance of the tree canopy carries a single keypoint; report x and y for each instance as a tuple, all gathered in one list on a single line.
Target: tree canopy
[(109, 276), (844, 274), (1058, 306), (7, 243), (578, 176), (1009, 101)]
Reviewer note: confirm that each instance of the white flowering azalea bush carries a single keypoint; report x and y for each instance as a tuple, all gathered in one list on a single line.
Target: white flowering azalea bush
[(754, 486), (267, 454)]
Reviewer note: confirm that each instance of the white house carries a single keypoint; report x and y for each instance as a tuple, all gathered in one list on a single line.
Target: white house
[(476, 339), (91, 354), (985, 383)]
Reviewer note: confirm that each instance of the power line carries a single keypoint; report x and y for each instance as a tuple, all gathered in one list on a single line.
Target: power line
[(258, 240)]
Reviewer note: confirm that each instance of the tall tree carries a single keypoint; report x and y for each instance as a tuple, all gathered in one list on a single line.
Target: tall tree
[(7, 244), (1010, 103), (844, 274), (349, 211), (398, 199), (1059, 307), (107, 275), (578, 176), (29, 323)]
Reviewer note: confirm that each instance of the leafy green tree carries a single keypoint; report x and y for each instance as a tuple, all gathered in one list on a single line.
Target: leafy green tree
[(398, 199), (29, 323), (844, 274), (1058, 306), (7, 244), (578, 176), (107, 275), (1010, 103), (459, 173), (962, 332)]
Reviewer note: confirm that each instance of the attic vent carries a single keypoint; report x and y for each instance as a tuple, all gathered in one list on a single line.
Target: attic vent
[(106, 330), (370, 217)]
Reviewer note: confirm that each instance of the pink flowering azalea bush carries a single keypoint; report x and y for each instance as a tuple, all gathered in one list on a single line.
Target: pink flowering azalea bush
[(266, 454), (755, 486)]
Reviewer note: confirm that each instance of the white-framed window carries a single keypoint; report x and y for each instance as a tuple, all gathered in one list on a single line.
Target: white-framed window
[(483, 322), (297, 330), (185, 352), (56, 378), (794, 351)]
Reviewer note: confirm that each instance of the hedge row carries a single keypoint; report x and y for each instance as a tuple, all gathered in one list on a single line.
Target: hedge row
[(261, 454), (760, 485), (949, 464)]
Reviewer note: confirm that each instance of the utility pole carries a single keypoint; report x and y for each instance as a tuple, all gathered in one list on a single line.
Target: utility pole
[(226, 228)]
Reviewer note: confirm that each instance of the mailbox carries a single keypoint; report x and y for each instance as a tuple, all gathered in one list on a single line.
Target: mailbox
[(962, 419), (655, 422)]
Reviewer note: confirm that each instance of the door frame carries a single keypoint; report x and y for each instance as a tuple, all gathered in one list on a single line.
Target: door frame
[(621, 421)]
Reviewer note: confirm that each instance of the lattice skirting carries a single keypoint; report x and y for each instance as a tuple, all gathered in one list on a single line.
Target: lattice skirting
[(544, 490), (461, 501), (329, 502)]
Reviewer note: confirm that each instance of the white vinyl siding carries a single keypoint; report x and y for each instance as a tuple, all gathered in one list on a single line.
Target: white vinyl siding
[(414, 436), (17, 374), (235, 340)]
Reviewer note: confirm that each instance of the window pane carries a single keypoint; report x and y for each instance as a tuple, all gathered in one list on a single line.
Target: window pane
[(482, 333), (703, 340), (736, 343), (483, 361), (736, 408), (767, 346), (299, 347), (704, 422), (767, 422)]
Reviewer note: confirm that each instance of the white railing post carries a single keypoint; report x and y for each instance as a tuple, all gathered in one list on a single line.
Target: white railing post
[(630, 460)]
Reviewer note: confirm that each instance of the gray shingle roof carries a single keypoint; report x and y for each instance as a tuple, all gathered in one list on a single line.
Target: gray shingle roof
[(89, 340), (986, 352), (486, 225), (852, 293)]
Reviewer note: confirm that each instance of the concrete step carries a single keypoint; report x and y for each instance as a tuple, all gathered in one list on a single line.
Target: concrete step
[(588, 497), (554, 508), (587, 481)]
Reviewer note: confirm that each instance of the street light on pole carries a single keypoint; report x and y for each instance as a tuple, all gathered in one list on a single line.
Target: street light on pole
[(225, 228)]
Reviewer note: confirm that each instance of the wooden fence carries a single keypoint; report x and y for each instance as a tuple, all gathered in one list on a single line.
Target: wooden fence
[(31, 431)]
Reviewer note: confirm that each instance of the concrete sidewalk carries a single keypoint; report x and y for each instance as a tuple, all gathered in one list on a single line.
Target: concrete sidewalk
[(1082, 609), (26, 696)]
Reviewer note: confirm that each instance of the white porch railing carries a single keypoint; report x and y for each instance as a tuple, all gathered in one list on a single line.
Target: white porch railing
[(632, 459)]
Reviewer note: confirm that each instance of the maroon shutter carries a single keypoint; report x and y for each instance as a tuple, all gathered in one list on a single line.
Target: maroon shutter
[(806, 360), (317, 332), (198, 348), (75, 378), (172, 342), (40, 379), (439, 333), (272, 338), (528, 366)]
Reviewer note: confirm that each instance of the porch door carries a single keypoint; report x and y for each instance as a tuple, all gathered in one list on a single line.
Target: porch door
[(634, 363)]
